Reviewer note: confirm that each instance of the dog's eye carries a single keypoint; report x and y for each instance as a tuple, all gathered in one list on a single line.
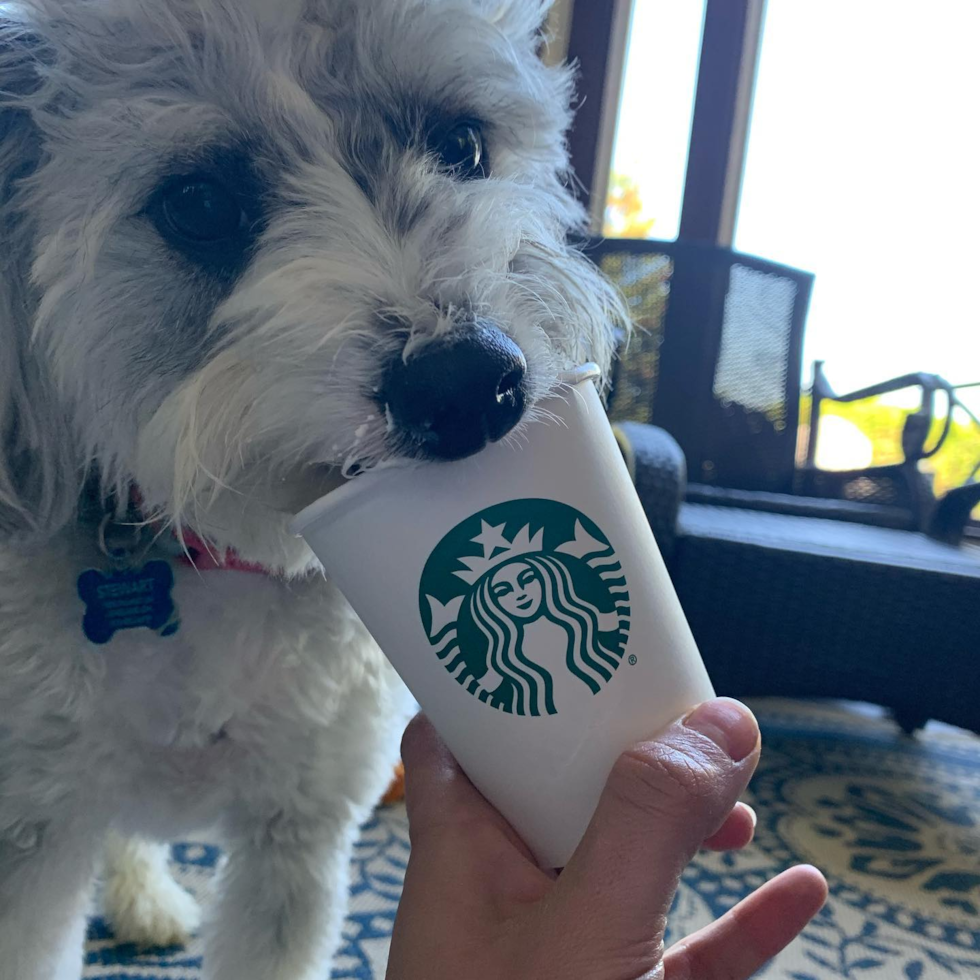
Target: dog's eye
[(201, 210), (461, 152)]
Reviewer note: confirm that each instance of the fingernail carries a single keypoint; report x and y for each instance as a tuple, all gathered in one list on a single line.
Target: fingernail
[(729, 724)]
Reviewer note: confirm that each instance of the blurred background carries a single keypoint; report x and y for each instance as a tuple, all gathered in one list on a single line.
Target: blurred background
[(833, 136)]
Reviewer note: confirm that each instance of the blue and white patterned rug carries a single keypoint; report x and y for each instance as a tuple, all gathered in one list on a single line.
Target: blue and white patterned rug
[(894, 824)]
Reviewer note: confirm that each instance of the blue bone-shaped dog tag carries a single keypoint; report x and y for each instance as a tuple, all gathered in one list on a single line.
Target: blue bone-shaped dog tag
[(128, 599)]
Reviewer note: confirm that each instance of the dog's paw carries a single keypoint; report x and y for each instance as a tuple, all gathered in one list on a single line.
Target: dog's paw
[(163, 914), (144, 904)]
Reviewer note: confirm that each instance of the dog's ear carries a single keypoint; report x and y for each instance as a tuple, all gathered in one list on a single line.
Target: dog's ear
[(523, 21), (38, 467)]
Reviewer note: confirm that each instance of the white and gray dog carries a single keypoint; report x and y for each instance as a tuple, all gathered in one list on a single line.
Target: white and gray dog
[(248, 248)]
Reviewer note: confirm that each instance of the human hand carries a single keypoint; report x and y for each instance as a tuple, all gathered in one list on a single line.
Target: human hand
[(476, 905)]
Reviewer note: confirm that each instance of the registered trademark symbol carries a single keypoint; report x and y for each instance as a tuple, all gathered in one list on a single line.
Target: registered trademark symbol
[(632, 659)]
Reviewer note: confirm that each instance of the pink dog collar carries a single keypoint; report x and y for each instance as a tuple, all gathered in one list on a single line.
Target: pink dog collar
[(203, 557), (193, 551)]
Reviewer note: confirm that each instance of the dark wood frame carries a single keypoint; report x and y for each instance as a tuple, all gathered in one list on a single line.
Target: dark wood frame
[(589, 49), (597, 41), (730, 45)]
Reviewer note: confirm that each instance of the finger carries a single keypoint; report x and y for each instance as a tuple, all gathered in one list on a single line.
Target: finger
[(434, 783), (441, 802), (743, 940), (436, 793), (736, 832), (662, 800)]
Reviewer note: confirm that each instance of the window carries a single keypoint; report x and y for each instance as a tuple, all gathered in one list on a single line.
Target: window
[(649, 159), (869, 179), (835, 137), (861, 166)]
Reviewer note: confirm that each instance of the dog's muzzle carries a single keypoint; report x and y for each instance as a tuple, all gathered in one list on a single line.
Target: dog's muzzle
[(457, 393)]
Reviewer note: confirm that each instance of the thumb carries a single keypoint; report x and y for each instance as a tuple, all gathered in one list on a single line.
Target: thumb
[(662, 800)]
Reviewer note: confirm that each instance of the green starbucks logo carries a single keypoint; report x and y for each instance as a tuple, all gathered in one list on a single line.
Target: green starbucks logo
[(526, 605)]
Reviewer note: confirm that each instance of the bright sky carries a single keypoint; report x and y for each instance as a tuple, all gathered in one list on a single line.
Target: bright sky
[(863, 167)]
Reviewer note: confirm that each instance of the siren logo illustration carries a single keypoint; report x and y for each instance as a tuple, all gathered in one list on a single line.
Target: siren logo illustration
[(527, 606)]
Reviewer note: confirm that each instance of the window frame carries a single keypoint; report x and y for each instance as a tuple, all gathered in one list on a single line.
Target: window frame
[(730, 45)]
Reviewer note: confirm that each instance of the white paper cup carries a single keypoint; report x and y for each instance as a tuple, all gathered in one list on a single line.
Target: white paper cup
[(522, 598)]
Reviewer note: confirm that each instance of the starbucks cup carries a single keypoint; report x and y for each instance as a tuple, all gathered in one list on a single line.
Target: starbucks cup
[(522, 598)]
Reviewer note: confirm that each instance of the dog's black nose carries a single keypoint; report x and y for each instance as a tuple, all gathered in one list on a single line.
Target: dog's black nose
[(457, 393)]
